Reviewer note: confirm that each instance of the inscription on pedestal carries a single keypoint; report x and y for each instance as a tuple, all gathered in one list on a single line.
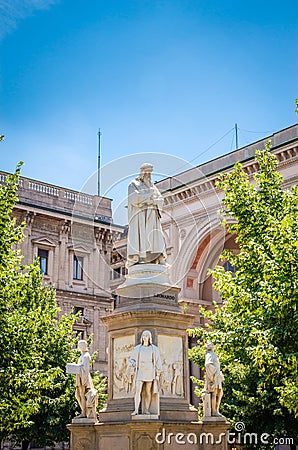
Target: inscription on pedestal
[(165, 296)]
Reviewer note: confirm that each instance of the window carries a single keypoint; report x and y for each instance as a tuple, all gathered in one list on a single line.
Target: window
[(77, 267), (43, 260), (78, 309), (79, 335), (189, 282), (117, 273), (116, 300)]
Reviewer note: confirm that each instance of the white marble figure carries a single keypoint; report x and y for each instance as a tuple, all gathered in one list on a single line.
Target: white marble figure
[(165, 378), (86, 395), (213, 383), (145, 364), (145, 241), (177, 383)]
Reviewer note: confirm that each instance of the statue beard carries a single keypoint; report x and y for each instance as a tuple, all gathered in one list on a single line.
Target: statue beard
[(147, 180)]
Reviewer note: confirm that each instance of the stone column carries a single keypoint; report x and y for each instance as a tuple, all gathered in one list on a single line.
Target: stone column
[(95, 269), (27, 245), (99, 277), (96, 339), (62, 259)]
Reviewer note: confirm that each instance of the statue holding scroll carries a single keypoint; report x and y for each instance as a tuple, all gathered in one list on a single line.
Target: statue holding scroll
[(86, 395)]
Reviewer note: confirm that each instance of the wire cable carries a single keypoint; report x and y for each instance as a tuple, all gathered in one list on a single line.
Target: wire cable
[(257, 132), (201, 153), (232, 142)]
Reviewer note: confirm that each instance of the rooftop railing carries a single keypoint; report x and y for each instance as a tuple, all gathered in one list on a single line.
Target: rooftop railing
[(48, 195)]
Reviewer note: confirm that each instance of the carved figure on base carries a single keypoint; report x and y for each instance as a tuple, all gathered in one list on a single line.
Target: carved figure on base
[(86, 395), (145, 363), (213, 392), (177, 383)]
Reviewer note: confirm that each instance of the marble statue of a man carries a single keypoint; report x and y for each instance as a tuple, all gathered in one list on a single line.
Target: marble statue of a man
[(213, 381), (146, 365), (145, 241), (86, 395)]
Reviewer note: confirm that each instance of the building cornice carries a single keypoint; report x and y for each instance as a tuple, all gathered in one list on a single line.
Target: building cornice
[(201, 187)]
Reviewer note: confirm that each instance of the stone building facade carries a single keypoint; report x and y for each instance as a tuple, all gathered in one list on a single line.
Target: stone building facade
[(72, 235)]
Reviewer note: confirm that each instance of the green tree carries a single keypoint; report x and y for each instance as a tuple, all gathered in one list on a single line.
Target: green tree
[(36, 396), (256, 330)]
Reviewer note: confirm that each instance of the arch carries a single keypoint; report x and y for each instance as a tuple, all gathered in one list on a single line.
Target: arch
[(190, 246), (200, 252)]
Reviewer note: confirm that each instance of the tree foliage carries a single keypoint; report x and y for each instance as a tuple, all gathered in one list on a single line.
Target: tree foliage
[(36, 396), (256, 330)]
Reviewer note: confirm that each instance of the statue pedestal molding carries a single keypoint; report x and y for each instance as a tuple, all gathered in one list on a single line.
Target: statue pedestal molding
[(145, 417), (83, 420), (149, 435), (140, 274)]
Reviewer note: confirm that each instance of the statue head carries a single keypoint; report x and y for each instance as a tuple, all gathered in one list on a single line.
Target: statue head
[(83, 346), (146, 168), (146, 337), (145, 173), (209, 346)]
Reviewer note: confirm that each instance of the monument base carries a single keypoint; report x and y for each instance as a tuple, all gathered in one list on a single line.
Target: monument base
[(147, 273), (149, 435), (145, 417), (83, 420), (219, 419)]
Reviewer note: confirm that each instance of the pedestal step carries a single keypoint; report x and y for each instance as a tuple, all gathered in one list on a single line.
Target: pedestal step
[(149, 435)]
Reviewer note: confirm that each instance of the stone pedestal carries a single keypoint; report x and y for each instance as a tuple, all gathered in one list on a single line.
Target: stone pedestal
[(149, 435), (147, 301), (149, 305), (140, 417), (156, 275)]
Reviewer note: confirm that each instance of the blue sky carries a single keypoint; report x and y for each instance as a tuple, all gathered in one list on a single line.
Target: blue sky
[(167, 76)]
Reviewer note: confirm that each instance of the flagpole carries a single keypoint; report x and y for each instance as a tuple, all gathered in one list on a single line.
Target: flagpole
[(98, 164)]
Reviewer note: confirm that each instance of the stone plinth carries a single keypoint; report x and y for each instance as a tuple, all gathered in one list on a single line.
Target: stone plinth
[(147, 284), (149, 435), (141, 417), (168, 332), (148, 298), (147, 301), (153, 274), (83, 420)]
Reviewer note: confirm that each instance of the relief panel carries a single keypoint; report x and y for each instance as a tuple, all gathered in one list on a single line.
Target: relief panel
[(123, 379), (171, 378)]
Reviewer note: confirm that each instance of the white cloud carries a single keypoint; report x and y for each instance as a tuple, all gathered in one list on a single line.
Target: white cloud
[(12, 11)]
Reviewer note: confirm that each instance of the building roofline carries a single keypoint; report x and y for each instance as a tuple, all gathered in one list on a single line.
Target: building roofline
[(56, 186), (230, 160)]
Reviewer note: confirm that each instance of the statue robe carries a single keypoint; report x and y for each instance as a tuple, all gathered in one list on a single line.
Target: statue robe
[(153, 356), (214, 376), (145, 235)]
